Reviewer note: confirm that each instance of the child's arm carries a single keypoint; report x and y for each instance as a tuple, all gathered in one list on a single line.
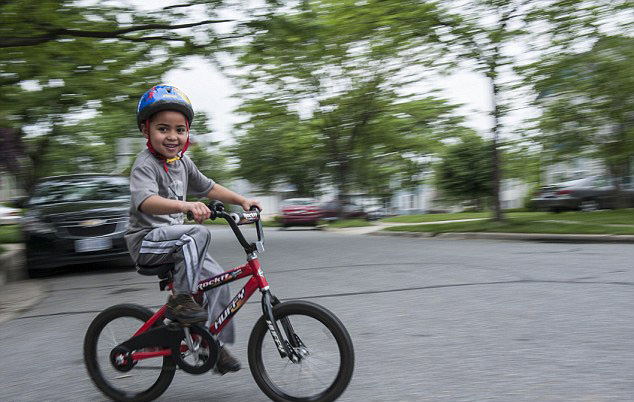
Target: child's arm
[(227, 196), (157, 205)]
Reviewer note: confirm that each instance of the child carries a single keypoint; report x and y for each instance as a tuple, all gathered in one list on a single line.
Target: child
[(160, 179)]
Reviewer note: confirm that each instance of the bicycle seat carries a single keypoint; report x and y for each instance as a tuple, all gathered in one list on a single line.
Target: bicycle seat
[(152, 270)]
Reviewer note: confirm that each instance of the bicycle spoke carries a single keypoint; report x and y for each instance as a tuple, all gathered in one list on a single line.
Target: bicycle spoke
[(319, 363)]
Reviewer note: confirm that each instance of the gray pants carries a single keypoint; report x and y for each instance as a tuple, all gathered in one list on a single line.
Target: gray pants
[(187, 247)]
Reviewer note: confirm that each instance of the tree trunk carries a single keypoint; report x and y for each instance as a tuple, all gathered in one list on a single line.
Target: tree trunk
[(617, 173), (497, 170)]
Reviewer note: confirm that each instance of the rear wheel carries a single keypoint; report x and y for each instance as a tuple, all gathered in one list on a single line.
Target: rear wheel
[(326, 355), (143, 380)]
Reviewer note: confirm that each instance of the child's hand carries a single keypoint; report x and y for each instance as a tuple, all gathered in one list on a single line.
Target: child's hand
[(199, 210), (247, 204)]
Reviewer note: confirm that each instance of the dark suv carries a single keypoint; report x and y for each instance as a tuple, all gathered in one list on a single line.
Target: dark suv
[(75, 219), (333, 210)]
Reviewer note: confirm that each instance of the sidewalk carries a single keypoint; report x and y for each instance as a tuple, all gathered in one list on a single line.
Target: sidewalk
[(16, 293), (16, 297)]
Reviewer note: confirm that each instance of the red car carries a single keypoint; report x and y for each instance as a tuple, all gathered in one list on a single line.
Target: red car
[(300, 212)]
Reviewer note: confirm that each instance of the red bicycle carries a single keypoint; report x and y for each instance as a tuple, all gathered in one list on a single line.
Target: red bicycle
[(132, 353)]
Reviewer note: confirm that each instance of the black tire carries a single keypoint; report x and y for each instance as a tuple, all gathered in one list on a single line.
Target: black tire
[(97, 359), (305, 318)]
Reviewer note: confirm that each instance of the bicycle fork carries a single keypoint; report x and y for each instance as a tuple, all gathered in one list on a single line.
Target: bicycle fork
[(286, 347)]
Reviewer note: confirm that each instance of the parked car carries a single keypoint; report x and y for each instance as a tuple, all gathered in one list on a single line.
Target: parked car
[(375, 212), (300, 212), (9, 216), (75, 219), (587, 194), (333, 210)]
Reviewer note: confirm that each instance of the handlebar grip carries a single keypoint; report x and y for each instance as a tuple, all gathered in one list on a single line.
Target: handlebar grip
[(214, 207), (245, 218)]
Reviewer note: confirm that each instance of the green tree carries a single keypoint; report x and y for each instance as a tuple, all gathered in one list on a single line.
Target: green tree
[(482, 36), (212, 164), (71, 74), (317, 78), (274, 147), (464, 170), (587, 101)]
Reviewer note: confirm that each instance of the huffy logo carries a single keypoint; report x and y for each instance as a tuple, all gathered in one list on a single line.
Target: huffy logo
[(236, 303)]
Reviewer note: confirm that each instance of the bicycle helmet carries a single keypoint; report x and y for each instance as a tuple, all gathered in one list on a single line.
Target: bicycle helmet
[(163, 97)]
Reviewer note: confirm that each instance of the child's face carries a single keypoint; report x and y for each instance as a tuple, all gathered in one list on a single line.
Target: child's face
[(168, 133)]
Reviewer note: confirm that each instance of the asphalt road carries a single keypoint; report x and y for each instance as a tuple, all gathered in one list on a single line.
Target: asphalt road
[(431, 320)]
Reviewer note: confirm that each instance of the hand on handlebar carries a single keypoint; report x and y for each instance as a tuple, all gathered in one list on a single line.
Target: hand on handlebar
[(197, 211), (248, 204)]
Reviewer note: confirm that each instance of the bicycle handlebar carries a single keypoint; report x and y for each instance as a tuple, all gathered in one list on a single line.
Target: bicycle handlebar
[(239, 218)]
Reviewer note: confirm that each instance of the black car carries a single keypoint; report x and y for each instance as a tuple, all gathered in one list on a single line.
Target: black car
[(587, 194), (75, 219)]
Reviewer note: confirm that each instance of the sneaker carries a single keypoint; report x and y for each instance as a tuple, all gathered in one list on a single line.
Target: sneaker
[(184, 309), (227, 362)]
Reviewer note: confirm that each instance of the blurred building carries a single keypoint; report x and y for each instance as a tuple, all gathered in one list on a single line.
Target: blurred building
[(572, 169)]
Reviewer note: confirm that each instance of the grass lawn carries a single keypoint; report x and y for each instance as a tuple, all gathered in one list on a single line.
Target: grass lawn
[(10, 234), (435, 217), (599, 222)]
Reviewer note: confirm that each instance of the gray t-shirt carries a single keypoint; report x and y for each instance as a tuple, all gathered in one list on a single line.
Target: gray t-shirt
[(148, 177)]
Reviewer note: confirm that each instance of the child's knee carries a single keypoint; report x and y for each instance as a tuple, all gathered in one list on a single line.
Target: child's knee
[(199, 232)]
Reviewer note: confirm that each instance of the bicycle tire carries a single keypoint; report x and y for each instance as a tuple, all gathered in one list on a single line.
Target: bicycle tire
[(302, 315), (91, 341)]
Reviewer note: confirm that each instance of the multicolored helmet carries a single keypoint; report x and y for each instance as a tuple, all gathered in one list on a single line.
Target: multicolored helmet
[(163, 97)]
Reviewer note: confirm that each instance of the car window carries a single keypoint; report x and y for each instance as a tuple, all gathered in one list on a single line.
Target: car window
[(84, 189), (298, 202)]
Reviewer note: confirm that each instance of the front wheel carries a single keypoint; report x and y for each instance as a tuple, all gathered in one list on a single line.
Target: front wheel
[(326, 362), (139, 381)]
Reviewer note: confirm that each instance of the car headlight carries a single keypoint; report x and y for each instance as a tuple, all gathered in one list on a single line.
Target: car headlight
[(35, 225)]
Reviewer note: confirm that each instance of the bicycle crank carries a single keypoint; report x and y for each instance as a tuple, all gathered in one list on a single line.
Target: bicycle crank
[(197, 350)]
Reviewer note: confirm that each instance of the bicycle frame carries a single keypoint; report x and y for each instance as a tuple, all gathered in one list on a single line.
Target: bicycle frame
[(257, 282)]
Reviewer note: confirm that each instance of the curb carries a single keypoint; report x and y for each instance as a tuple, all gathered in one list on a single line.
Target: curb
[(544, 237), (12, 264), (17, 297)]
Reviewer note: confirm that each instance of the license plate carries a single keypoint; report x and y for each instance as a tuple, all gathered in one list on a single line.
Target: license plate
[(92, 244)]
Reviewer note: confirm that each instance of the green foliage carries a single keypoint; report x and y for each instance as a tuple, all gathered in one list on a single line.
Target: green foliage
[(211, 164), (587, 102), (324, 100), (464, 171), (72, 74), (275, 146)]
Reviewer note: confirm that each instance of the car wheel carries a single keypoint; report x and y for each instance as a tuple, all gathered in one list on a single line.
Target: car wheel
[(588, 205)]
